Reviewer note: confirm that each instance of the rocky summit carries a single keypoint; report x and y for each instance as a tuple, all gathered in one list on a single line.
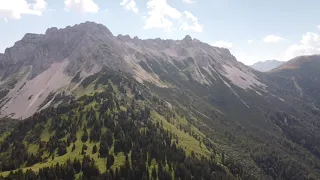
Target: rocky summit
[(170, 109), (40, 64)]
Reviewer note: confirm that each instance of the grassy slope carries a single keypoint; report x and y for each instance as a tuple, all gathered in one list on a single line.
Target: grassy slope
[(186, 141)]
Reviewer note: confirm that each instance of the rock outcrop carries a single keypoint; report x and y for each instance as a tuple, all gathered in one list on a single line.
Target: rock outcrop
[(88, 47)]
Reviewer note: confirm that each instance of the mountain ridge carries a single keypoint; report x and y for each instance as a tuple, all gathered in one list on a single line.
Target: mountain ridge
[(302, 74), (267, 65), (87, 47), (264, 121), (297, 62)]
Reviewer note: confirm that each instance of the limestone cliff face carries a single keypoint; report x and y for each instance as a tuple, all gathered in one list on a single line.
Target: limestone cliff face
[(88, 47)]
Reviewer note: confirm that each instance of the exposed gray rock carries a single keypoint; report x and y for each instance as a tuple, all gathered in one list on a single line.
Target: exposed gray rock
[(87, 47)]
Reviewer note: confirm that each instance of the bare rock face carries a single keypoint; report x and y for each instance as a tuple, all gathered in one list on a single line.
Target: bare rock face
[(86, 48), (2, 62), (40, 51), (280, 107)]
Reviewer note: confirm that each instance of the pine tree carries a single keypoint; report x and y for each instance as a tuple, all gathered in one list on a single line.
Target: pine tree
[(76, 165), (62, 150), (94, 149), (73, 147), (84, 137), (84, 148), (110, 161), (154, 173)]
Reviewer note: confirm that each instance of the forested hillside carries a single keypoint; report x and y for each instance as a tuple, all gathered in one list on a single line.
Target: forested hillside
[(120, 132), (81, 103)]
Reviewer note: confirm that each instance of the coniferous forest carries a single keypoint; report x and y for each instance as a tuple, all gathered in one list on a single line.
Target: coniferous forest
[(120, 132), (81, 103), (123, 130)]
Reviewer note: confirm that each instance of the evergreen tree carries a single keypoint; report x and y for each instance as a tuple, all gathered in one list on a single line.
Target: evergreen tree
[(76, 165), (94, 149), (110, 161), (84, 148), (62, 150), (154, 173), (84, 137), (73, 147)]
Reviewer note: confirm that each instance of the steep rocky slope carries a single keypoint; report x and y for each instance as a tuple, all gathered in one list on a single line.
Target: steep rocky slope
[(124, 131), (40, 64), (267, 122)]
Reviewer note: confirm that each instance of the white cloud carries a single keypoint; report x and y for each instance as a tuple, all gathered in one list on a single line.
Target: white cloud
[(318, 26), (83, 6), (272, 39), (309, 44), (223, 44), (250, 41), (161, 15), (156, 17), (40, 5), (130, 5), (14, 9), (188, 1), (190, 23), (245, 58)]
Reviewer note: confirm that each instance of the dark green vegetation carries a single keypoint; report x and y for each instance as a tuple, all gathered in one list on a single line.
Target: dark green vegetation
[(6, 124), (190, 130), (122, 132), (274, 135), (194, 113), (301, 77)]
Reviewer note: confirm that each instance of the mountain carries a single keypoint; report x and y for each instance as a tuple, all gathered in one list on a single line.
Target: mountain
[(40, 64), (105, 134), (301, 75), (265, 66), (79, 86)]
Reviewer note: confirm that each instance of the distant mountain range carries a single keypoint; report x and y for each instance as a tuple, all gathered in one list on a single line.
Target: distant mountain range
[(265, 66), (154, 109)]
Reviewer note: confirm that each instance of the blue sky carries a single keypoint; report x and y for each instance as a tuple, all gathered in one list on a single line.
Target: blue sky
[(254, 30)]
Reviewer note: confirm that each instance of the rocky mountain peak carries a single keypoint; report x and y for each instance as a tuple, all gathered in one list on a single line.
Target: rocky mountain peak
[(136, 38), (51, 30), (60, 54), (188, 40), (31, 36), (93, 28), (205, 84), (124, 37)]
